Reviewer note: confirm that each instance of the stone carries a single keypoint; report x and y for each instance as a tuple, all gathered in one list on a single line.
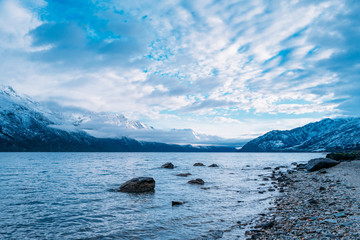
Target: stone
[(320, 163), (198, 181), (138, 185), (347, 224), (340, 214), (301, 166), (322, 189), (198, 165), (312, 201), (332, 221), (168, 165), (177, 203), (268, 225), (267, 168), (213, 165), (183, 174)]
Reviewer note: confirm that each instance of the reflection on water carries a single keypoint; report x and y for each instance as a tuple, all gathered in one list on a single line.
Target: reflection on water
[(66, 195)]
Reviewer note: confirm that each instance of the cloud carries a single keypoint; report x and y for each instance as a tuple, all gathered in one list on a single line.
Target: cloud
[(152, 60)]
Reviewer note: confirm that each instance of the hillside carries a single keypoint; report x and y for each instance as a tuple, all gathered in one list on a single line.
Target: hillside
[(325, 135)]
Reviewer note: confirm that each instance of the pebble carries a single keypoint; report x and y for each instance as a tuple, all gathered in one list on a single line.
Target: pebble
[(311, 206)]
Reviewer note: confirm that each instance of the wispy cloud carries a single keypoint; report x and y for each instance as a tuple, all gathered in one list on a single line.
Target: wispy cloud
[(151, 59)]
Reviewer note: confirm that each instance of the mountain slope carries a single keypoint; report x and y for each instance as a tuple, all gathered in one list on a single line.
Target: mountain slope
[(325, 135), (26, 125)]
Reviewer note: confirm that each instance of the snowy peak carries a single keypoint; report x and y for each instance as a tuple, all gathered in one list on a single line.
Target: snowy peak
[(325, 135), (69, 119)]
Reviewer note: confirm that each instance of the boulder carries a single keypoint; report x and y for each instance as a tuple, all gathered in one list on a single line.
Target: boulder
[(199, 164), (138, 185), (198, 181), (320, 163), (213, 165), (183, 174), (168, 165)]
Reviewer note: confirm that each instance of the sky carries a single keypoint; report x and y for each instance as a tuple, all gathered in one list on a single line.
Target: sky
[(230, 68)]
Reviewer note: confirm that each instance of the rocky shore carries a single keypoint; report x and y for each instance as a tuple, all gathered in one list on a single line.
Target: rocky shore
[(322, 204)]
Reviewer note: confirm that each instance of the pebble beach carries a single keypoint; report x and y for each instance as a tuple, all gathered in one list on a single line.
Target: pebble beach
[(312, 205)]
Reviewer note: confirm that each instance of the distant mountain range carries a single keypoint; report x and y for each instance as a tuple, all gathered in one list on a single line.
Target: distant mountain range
[(326, 135), (26, 125)]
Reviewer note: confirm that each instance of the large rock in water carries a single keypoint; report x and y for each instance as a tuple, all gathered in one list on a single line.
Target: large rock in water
[(197, 181), (320, 163), (138, 185), (168, 165)]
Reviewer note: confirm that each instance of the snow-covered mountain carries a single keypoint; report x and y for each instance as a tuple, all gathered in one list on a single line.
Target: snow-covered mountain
[(325, 135), (26, 125)]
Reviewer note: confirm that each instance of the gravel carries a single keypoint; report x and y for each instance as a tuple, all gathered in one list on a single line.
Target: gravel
[(313, 205)]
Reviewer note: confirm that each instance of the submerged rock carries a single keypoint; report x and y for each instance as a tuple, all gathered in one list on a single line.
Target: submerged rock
[(168, 165), (197, 181), (198, 164), (183, 174), (213, 165), (138, 185), (320, 163), (177, 203)]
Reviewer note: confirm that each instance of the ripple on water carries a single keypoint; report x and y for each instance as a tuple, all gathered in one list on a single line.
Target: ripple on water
[(66, 195)]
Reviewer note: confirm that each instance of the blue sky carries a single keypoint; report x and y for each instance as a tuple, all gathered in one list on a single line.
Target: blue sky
[(235, 69)]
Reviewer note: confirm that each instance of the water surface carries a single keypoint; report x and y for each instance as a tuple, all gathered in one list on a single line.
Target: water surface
[(66, 195)]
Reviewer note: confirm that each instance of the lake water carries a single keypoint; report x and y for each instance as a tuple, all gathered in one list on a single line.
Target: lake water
[(67, 195)]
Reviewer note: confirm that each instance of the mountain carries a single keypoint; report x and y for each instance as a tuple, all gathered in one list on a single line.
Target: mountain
[(26, 125), (325, 135)]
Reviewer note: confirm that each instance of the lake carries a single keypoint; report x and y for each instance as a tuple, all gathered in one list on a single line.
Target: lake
[(68, 195)]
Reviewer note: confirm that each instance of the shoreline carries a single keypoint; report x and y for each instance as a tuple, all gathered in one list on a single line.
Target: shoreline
[(312, 205)]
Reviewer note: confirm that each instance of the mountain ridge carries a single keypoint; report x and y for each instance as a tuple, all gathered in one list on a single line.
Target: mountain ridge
[(326, 135), (26, 125)]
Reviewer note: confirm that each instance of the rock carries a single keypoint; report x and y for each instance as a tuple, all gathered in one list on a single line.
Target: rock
[(198, 165), (267, 168), (340, 214), (168, 165), (266, 225), (138, 185), (330, 221), (344, 156), (301, 166), (322, 171), (294, 163), (312, 201), (196, 181), (215, 234), (271, 190), (347, 224), (320, 163), (183, 174), (177, 203), (213, 165), (322, 189)]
